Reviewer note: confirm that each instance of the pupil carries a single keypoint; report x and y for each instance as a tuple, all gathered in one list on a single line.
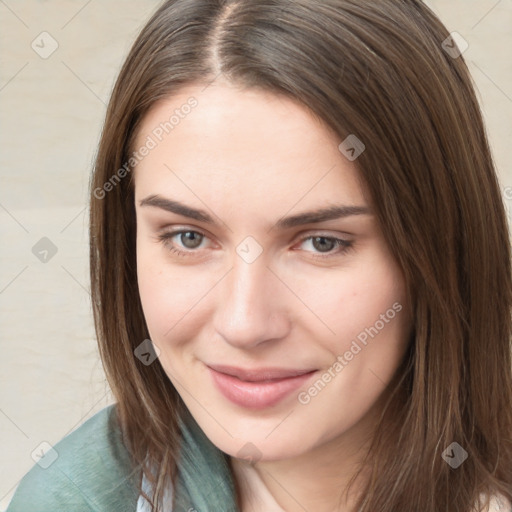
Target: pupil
[(191, 240), (323, 244)]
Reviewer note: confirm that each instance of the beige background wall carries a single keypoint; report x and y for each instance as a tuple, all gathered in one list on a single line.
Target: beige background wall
[(51, 112)]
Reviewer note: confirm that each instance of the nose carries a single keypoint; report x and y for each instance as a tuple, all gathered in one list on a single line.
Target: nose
[(251, 310)]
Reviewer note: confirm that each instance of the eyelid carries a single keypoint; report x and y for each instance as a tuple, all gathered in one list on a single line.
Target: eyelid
[(312, 233), (176, 230), (327, 233)]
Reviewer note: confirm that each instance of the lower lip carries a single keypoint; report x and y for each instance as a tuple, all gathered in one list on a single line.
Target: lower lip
[(257, 395)]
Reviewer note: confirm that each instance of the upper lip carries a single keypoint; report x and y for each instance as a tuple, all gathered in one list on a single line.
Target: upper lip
[(258, 374)]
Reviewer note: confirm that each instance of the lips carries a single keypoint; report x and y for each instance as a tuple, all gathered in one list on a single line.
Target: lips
[(257, 388)]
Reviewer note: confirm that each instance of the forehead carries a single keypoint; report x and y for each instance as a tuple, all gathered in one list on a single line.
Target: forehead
[(253, 143)]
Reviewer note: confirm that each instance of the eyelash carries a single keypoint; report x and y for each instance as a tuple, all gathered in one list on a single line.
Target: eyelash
[(343, 246)]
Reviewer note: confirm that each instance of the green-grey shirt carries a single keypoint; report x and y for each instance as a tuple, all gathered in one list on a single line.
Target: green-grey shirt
[(93, 473)]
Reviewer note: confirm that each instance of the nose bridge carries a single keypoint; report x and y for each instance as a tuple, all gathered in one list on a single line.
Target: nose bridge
[(247, 285), (249, 310)]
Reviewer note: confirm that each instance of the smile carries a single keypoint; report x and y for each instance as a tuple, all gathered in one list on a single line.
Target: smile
[(257, 389)]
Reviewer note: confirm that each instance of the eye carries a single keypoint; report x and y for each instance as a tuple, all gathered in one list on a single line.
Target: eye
[(186, 242), (327, 246), (182, 242)]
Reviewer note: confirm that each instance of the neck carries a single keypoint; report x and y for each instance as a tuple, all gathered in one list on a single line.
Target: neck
[(318, 480)]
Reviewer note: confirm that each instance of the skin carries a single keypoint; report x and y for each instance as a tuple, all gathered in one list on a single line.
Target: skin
[(249, 158)]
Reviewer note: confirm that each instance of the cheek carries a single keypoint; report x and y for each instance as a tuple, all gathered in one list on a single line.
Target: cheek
[(370, 321), (355, 303), (375, 305), (170, 295), (374, 326)]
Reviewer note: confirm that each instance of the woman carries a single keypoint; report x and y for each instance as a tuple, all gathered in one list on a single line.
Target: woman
[(300, 271)]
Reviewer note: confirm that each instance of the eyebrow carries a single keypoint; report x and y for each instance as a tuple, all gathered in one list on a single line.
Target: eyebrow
[(311, 217)]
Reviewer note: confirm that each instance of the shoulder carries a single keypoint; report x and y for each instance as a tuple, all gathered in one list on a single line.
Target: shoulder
[(500, 504), (88, 470), (497, 503)]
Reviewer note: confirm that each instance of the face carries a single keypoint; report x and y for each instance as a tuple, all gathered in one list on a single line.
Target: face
[(276, 308)]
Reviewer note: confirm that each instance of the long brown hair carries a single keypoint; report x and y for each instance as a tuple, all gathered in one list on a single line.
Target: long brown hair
[(379, 70)]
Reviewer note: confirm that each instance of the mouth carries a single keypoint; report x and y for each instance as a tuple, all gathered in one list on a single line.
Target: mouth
[(257, 388), (259, 375)]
